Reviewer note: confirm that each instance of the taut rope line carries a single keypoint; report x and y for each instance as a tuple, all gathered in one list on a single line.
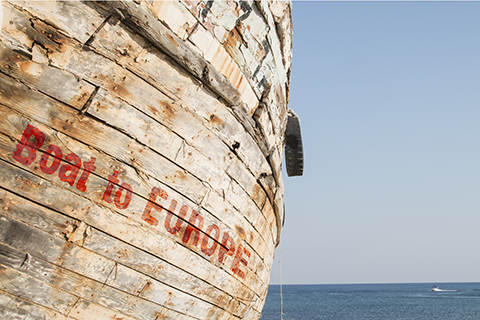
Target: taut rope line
[(281, 282)]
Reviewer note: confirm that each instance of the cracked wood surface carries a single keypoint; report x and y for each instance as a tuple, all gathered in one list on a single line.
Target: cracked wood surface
[(134, 182), (62, 123)]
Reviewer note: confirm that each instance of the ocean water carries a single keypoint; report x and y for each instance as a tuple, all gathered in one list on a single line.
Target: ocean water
[(458, 301)]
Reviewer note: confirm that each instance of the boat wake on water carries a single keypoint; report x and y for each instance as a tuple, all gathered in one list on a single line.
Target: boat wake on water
[(435, 288)]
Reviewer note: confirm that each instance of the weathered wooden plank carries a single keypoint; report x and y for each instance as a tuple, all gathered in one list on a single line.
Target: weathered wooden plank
[(279, 208), (115, 112), (96, 66), (255, 265), (160, 270), (244, 229), (97, 241), (73, 19), (63, 113), (274, 224), (87, 310), (218, 17), (44, 40), (239, 199), (120, 227), (276, 65), (91, 265), (165, 40), (33, 290), (136, 54), (164, 111), (253, 314), (52, 81), (15, 124), (150, 289), (98, 186), (216, 119), (84, 287), (277, 107), (99, 136), (149, 132), (247, 181), (282, 13), (276, 160), (215, 54), (35, 215), (148, 309), (221, 21), (40, 244), (248, 45), (17, 29), (263, 122), (174, 15), (21, 95), (61, 226), (12, 307), (255, 271), (119, 114)]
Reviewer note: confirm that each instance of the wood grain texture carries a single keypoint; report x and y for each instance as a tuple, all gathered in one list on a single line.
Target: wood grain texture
[(165, 40), (120, 252), (120, 227), (44, 78), (207, 175), (82, 286), (87, 264), (98, 184), (13, 307), (33, 290), (178, 246), (13, 124), (144, 157), (220, 123), (76, 21)]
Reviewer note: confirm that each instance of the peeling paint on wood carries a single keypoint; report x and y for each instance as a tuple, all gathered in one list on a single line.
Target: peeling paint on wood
[(140, 157)]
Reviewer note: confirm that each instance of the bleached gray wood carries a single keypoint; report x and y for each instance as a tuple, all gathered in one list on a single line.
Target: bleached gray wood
[(88, 264), (87, 310), (216, 119), (135, 54), (98, 185), (13, 124), (149, 132), (120, 227), (93, 64), (12, 307), (84, 287), (33, 290), (88, 126), (255, 269), (255, 265), (75, 20), (99, 136), (62, 226), (165, 40), (52, 81)]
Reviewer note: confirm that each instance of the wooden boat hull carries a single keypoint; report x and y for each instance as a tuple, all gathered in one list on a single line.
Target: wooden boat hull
[(141, 146)]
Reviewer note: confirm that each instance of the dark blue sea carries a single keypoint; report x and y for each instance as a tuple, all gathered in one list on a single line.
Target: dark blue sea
[(456, 301)]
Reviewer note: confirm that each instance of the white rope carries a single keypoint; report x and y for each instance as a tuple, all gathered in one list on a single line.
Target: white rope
[(281, 282)]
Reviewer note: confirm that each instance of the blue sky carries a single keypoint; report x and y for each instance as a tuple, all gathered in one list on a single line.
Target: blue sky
[(388, 94)]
